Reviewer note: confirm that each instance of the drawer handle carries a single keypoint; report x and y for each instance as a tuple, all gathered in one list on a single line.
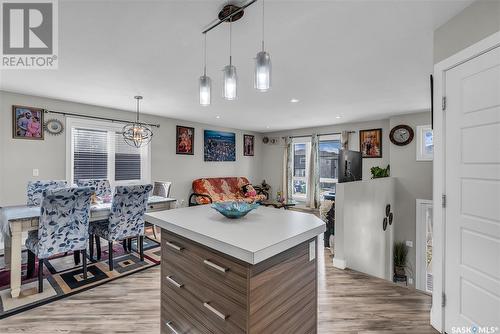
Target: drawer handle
[(174, 282), (174, 246), (215, 311), (215, 266), (170, 326)]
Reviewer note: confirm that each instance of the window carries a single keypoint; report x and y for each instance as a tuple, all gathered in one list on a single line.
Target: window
[(328, 162), (301, 153), (328, 165), (96, 150)]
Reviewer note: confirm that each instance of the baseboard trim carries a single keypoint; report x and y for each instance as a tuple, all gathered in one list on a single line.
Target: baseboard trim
[(340, 264)]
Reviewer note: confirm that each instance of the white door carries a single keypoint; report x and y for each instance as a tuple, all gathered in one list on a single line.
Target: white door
[(472, 144)]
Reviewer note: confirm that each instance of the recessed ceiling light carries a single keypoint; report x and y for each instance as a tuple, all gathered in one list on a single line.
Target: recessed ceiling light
[(267, 126), (217, 116), (294, 100), (338, 117)]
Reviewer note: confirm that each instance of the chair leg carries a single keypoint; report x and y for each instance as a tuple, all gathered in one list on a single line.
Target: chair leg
[(40, 275), (91, 247), (140, 245), (98, 247), (31, 264), (110, 255), (84, 262), (76, 257)]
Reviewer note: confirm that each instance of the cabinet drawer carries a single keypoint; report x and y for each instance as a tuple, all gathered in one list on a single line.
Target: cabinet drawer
[(211, 315), (217, 270), (176, 320), (196, 292)]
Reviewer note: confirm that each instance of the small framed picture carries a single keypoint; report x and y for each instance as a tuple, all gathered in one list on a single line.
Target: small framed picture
[(185, 140), (425, 143), (27, 123), (248, 145), (370, 143)]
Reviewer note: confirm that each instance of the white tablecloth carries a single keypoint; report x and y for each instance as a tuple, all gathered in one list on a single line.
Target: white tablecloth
[(24, 211)]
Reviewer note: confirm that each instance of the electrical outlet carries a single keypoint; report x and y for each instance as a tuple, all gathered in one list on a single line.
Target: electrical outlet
[(409, 243), (410, 281), (35, 172)]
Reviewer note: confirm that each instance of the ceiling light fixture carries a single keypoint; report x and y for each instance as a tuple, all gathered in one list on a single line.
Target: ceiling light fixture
[(137, 134), (217, 116), (230, 77), (205, 81), (262, 79), (338, 117), (294, 100)]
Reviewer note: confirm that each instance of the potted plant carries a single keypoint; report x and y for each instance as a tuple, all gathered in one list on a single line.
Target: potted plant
[(400, 256), (378, 172)]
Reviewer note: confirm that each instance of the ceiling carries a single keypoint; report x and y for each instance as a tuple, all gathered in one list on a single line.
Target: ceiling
[(343, 60)]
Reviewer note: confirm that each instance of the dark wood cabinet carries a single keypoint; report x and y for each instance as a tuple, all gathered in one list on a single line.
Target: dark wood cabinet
[(205, 291)]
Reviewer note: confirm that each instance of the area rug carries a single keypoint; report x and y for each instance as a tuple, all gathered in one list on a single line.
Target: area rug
[(62, 278)]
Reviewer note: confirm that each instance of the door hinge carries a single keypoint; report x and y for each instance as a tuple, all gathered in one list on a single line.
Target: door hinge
[(443, 201), (443, 104), (443, 300)]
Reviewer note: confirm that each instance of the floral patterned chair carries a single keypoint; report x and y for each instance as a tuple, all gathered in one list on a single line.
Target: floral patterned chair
[(125, 221), (102, 186), (221, 189), (63, 227), (36, 188)]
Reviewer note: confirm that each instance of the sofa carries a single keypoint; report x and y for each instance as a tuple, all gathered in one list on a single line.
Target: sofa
[(222, 189)]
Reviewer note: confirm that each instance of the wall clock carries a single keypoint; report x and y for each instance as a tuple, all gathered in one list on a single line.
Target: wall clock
[(401, 135)]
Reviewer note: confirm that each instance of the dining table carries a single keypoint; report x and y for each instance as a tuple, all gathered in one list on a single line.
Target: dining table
[(14, 220)]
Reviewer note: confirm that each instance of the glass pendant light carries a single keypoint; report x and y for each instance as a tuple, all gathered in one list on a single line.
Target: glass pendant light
[(137, 134), (205, 81), (262, 79), (230, 78)]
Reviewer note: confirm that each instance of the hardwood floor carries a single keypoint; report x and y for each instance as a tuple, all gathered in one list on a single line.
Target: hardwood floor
[(349, 302)]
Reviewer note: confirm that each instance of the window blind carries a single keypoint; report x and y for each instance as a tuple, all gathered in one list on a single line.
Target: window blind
[(127, 160), (90, 158)]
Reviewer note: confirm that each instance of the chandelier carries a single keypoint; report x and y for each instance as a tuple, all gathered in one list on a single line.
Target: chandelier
[(137, 134)]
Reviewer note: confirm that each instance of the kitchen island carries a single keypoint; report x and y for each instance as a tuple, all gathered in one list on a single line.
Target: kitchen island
[(257, 274)]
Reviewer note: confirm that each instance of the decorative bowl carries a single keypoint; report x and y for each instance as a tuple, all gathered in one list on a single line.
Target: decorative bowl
[(234, 209)]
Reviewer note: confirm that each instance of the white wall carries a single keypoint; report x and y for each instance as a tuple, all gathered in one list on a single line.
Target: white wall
[(474, 23), (360, 241), (19, 157), (273, 154), (413, 180)]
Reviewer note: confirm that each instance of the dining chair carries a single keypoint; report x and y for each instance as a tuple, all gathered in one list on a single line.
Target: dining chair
[(36, 188), (125, 221), (102, 186), (63, 227), (160, 188)]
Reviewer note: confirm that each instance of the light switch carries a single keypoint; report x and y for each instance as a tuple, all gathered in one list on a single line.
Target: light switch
[(35, 172), (409, 243), (312, 250)]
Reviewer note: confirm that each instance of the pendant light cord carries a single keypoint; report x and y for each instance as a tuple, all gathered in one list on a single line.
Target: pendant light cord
[(263, 19), (205, 55), (137, 110), (230, 41)]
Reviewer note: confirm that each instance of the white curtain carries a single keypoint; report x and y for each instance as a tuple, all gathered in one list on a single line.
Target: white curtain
[(313, 195), (344, 140), (287, 169)]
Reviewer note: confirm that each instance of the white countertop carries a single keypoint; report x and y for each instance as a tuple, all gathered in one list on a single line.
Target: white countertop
[(259, 235)]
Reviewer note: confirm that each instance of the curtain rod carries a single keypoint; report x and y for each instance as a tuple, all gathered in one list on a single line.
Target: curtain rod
[(319, 134), (96, 117)]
